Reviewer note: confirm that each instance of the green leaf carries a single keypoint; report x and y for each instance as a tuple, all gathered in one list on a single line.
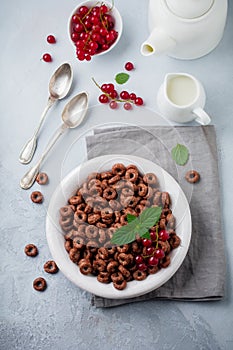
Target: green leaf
[(123, 236), (149, 217), (137, 226), (146, 235), (180, 154), (131, 217), (122, 78)]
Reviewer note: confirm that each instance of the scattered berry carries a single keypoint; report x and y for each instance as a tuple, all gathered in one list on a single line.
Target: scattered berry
[(124, 95), (132, 96), (51, 39), (47, 57), (127, 106), (113, 104), (139, 101), (103, 98), (129, 66), (153, 235)]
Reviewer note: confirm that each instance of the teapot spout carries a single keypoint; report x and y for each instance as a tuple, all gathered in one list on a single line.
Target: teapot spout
[(157, 43)]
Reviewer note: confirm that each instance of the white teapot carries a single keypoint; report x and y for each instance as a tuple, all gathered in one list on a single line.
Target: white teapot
[(185, 29)]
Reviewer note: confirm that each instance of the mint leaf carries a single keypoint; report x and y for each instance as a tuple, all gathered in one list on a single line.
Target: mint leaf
[(123, 236), (131, 217), (122, 78), (137, 226), (146, 235), (180, 154), (150, 216)]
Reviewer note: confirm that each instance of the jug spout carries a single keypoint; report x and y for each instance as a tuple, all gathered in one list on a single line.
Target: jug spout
[(157, 43)]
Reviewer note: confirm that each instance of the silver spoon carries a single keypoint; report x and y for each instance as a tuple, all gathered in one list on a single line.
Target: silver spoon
[(72, 116), (59, 87)]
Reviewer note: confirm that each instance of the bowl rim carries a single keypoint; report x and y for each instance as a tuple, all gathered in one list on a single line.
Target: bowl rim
[(116, 14), (55, 238)]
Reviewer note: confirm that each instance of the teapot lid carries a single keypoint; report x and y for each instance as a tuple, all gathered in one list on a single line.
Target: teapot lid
[(189, 8)]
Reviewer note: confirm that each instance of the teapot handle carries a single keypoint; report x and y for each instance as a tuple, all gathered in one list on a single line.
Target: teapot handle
[(201, 116)]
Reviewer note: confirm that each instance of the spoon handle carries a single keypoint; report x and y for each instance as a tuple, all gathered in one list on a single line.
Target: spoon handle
[(29, 178), (30, 146)]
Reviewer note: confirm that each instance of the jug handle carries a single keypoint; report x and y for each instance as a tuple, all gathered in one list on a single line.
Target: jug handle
[(202, 117)]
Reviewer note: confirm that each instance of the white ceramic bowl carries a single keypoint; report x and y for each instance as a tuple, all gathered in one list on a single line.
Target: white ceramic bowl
[(118, 25), (55, 238)]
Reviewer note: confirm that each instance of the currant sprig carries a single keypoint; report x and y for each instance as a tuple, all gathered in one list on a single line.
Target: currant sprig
[(110, 94)]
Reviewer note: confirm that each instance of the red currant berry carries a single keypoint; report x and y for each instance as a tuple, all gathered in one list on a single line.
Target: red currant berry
[(163, 235), (103, 98), (129, 66), (95, 20), (139, 259), (132, 96), (83, 10), (127, 106), (78, 28), (110, 87), (75, 18), (95, 37), (51, 39), (103, 9), (87, 57), (80, 55), (124, 95), (142, 267), (147, 242), (105, 47), (109, 37), (150, 250), (113, 94), (153, 261), (153, 235), (104, 87), (139, 101), (75, 36), (113, 105), (159, 253), (47, 57), (103, 31)]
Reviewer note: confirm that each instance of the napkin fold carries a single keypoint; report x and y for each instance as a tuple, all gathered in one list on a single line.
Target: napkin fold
[(202, 274)]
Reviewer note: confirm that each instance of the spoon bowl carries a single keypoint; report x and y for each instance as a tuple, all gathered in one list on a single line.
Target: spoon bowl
[(59, 87), (60, 82), (72, 116), (75, 111)]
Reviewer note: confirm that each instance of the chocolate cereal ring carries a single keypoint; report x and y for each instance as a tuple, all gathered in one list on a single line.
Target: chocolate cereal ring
[(50, 267), (150, 179), (192, 176), (39, 284), (120, 285), (37, 197), (118, 169), (31, 250), (42, 178)]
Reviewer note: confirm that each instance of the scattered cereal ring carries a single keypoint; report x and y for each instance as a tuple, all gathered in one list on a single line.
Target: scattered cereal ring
[(192, 176), (39, 284), (31, 250), (37, 197), (50, 267), (42, 178)]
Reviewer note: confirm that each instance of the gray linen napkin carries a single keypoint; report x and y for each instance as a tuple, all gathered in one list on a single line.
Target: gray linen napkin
[(202, 274)]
